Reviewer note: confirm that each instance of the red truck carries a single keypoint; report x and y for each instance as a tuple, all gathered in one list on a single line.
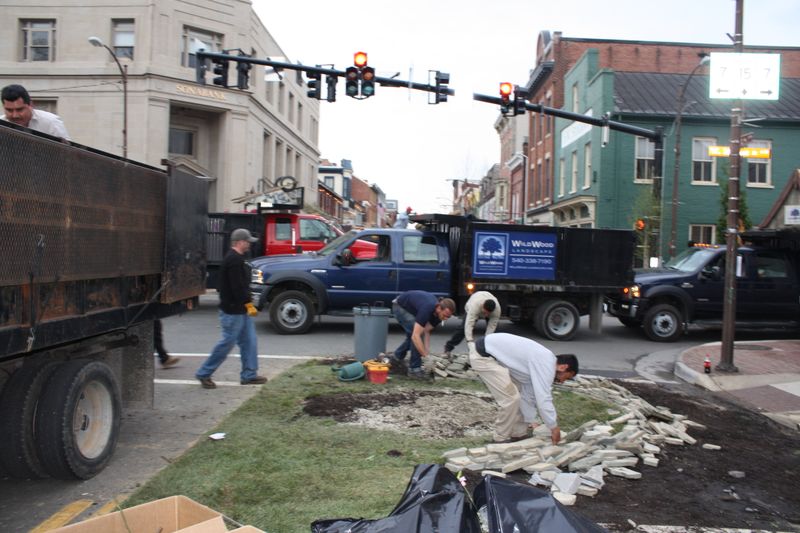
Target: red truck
[(283, 232)]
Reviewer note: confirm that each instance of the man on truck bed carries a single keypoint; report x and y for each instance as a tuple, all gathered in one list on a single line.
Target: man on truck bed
[(519, 373), (418, 312), (19, 110), (482, 304), (236, 313)]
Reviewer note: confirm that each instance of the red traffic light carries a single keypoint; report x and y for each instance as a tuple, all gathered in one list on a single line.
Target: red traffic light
[(360, 59), (506, 89), (640, 224)]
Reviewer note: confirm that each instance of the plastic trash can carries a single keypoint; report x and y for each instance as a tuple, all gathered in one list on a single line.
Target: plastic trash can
[(371, 329)]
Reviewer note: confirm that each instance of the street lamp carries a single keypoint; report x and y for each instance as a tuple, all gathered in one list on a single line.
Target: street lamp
[(673, 224), (123, 70)]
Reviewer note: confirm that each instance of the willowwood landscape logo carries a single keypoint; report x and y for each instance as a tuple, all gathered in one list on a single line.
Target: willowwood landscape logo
[(516, 255)]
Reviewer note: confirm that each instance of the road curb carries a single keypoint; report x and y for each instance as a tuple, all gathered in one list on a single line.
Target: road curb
[(685, 373)]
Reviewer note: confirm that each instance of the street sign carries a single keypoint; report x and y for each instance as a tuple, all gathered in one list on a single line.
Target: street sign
[(745, 76), (744, 151)]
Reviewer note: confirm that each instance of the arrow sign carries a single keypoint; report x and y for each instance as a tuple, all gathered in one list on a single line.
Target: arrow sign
[(745, 76)]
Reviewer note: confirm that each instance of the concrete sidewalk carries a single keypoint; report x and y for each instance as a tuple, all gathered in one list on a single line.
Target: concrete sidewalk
[(767, 381)]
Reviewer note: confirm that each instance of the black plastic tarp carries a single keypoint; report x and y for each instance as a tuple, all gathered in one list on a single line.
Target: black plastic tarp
[(517, 507), (435, 502)]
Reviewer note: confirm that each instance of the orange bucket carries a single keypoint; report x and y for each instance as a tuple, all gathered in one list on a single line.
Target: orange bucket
[(376, 372)]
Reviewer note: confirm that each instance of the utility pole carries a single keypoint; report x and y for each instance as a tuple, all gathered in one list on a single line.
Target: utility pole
[(729, 298)]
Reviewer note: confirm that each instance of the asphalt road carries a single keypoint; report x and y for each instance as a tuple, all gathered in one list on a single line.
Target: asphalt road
[(151, 438)]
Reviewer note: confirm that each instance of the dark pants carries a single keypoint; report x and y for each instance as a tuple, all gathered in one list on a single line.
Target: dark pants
[(406, 321), (158, 340), (458, 336)]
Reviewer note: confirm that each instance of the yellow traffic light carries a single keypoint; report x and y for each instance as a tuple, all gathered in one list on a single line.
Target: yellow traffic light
[(506, 89), (360, 59), (640, 224)]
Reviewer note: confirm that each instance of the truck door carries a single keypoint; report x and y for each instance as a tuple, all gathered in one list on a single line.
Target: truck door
[(770, 289), (369, 278), (279, 234), (707, 291), (423, 265), (313, 234)]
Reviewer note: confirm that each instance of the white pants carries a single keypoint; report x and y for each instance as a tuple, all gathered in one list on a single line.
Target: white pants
[(509, 422)]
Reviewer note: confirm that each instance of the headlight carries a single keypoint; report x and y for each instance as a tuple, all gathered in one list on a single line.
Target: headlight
[(631, 292), (257, 276)]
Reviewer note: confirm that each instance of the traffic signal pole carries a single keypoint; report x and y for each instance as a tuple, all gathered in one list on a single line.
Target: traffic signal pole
[(202, 55)]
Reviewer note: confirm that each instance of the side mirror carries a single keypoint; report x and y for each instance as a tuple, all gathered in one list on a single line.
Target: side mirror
[(346, 257)]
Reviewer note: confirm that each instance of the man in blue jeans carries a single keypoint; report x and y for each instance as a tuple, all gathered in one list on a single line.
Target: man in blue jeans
[(236, 313), (418, 312)]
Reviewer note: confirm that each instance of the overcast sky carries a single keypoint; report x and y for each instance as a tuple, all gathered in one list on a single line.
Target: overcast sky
[(413, 150)]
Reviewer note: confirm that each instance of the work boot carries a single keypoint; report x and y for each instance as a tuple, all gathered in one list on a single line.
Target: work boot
[(170, 362), (207, 383), (258, 380), (417, 373)]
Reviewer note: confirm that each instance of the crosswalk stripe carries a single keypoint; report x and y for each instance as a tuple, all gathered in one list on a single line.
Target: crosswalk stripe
[(63, 516)]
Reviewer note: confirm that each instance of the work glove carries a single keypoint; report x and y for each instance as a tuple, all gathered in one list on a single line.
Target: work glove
[(251, 309)]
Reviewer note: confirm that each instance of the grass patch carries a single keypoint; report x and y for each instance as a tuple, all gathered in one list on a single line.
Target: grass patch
[(279, 469)]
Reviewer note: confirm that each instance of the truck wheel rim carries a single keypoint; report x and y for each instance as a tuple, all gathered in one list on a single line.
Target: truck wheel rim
[(664, 324), (93, 420), (292, 313), (561, 321)]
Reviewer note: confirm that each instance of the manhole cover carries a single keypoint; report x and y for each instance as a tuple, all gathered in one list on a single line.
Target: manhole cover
[(750, 347)]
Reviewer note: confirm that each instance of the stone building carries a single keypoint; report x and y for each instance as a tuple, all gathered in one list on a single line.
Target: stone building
[(241, 140)]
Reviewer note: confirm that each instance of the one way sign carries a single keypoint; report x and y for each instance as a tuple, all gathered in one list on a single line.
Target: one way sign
[(745, 76)]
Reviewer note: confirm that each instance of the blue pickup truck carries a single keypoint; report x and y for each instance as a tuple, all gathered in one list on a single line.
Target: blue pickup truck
[(543, 276), (689, 290)]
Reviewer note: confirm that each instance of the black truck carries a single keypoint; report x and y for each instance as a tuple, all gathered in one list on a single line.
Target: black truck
[(689, 288), (94, 249)]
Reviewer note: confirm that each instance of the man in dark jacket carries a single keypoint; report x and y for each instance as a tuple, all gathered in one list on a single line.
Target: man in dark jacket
[(418, 312), (236, 313)]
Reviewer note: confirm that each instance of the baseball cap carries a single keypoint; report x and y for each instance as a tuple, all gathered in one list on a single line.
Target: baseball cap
[(242, 234)]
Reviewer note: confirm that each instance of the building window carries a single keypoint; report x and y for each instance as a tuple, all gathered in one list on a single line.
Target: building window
[(38, 40), (575, 98), (645, 159), (561, 183), (122, 37), (300, 117), (549, 118), (194, 40), (587, 165), (546, 186), (181, 141), (51, 106), (759, 171), (574, 183), (281, 97), (702, 233), (330, 182), (704, 167)]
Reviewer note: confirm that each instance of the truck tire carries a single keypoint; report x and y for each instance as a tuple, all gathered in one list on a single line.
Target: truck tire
[(663, 323), (17, 409), (291, 312), (77, 420), (557, 320)]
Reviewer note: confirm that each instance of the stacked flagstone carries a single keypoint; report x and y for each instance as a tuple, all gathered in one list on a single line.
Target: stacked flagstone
[(579, 462), (454, 366)]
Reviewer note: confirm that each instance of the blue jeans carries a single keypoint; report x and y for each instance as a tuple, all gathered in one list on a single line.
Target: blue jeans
[(236, 329), (406, 321)]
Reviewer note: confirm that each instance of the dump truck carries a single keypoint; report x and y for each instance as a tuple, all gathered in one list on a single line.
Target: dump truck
[(94, 249)]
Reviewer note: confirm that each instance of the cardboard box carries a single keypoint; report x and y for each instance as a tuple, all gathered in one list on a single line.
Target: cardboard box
[(168, 515)]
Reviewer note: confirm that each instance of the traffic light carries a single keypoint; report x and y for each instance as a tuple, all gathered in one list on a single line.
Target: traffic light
[(367, 81), (519, 100), (505, 96), (640, 224), (243, 74), (441, 79), (201, 67), (221, 72), (351, 81), (314, 89), (331, 81), (360, 60)]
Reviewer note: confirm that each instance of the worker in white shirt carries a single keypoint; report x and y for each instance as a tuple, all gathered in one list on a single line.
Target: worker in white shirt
[(19, 110), (520, 373), (482, 304)]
